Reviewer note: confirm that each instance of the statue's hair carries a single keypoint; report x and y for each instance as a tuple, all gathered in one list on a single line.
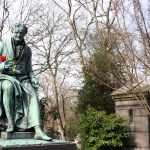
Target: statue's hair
[(18, 25)]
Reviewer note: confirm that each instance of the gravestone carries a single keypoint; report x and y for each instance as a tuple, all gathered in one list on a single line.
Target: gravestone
[(133, 102)]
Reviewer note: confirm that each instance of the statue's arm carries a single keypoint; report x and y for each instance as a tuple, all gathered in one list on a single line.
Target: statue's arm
[(31, 75)]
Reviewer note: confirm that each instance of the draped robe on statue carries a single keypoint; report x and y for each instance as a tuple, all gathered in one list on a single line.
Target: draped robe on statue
[(24, 105)]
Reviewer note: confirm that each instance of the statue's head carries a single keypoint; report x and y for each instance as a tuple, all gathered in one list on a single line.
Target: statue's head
[(19, 30)]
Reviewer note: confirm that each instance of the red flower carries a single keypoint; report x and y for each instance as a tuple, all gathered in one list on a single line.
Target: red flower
[(2, 58)]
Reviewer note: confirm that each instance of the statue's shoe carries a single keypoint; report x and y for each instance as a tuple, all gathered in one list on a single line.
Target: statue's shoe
[(10, 129), (42, 136)]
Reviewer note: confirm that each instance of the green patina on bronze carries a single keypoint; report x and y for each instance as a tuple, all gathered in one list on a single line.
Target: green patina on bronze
[(19, 105)]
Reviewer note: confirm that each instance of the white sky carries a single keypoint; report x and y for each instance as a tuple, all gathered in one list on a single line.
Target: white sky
[(15, 9)]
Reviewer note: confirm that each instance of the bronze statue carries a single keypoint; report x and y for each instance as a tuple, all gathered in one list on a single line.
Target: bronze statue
[(19, 105)]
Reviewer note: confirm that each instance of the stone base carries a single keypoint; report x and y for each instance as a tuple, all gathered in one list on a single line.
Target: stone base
[(17, 135), (68, 146), (136, 149), (32, 144)]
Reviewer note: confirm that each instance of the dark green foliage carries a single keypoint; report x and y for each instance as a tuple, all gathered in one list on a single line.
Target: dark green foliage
[(98, 85), (102, 75), (95, 95), (102, 132)]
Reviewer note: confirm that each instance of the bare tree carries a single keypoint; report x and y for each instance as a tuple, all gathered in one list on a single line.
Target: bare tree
[(4, 7), (133, 23), (51, 40)]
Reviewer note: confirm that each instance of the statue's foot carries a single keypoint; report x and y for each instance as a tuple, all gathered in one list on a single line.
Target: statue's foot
[(42, 136), (10, 129)]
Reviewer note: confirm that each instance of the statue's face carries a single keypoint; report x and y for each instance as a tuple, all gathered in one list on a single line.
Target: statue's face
[(18, 34)]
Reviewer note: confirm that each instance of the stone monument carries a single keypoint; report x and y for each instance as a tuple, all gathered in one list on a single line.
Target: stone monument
[(19, 106), (133, 102)]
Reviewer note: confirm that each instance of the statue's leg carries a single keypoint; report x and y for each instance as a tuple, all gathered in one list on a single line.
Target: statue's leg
[(33, 108), (7, 88), (34, 115)]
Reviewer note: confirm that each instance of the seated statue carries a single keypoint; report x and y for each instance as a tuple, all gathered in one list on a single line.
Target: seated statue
[(19, 105)]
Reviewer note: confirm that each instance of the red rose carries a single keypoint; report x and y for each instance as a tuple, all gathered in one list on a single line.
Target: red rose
[(2, 58)]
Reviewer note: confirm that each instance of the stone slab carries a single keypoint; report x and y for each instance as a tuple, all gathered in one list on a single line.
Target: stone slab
[(142, 139), (142, 124), (68, 146), (17, 135), (128, 103), (136, 149), (32, 144)]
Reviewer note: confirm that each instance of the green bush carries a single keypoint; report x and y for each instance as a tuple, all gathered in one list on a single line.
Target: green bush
[(102, 132)]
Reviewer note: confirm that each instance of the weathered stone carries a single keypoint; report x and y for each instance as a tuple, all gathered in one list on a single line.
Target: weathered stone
[(127, 103), (136, 149), (132, 89), (122, 112), (142, 124), (130, 102), (142, 139), (17, 135), (138, 112), (32, 144)]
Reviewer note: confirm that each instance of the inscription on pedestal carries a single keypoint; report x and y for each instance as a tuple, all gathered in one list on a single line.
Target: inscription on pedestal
[(17, 135)]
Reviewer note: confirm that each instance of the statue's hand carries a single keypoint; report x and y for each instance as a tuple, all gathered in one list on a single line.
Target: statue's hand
[(9, 65), (34, 82)]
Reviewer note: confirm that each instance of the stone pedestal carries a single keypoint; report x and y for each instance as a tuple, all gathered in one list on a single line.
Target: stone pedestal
[(133, 102), (17, 135), (26, 141), (31, 144)]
